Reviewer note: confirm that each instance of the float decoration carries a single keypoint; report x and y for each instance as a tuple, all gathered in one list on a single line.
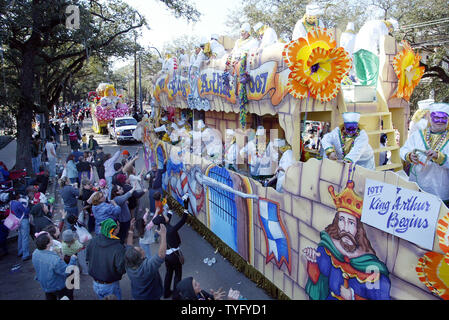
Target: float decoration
[(110, 106), (92, 96), (243, 97), (433, 272), (406, 66), (317, 65), (443, 235), (433, 267)]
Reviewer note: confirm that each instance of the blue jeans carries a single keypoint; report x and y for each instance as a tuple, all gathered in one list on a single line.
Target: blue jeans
[(36, 162), (104, 290), (151, 192), (71, 211), (82, 262), (52, 167), (109, 181), (23, 245)]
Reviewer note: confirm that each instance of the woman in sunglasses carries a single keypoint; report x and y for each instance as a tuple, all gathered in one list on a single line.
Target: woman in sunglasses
[(349, 143)]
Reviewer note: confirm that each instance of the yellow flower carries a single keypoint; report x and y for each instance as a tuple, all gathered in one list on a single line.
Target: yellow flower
[(406, 66), (317, 65)]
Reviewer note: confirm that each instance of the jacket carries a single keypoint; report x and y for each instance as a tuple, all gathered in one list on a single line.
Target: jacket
[(50, 270), (93, 144), (19, 210), (40, 219), (69, 195), (106, 258), (173, 239), (155, 178), (105, 211), (109, 165), (35, 150), (72, 172), (121, 200)]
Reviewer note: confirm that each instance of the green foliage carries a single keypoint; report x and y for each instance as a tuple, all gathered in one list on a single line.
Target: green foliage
[(183, 9), (43, 49)]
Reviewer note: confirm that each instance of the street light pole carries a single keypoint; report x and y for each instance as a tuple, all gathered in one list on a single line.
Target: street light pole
[(135, 72), (140, 89), (160, 56)]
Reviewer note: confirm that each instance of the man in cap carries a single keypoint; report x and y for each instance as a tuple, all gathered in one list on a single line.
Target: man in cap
[(217, 49), (245, 43), (287, 159), (195, 54), (250, 151), (213, 144), (427, 150), (183, 133), (367, 49), (105, 255), (349, 143), (232, 150), (168, 65), (197, 59), (197, 133), (174, 136), (308, 21), (268, 159), (266, 35), (183, 59)]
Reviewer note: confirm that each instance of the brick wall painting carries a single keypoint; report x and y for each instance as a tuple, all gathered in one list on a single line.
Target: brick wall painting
[(306, 208)]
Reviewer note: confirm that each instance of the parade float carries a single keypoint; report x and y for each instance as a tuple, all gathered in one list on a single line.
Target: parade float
[(105, 105), (402, 232)]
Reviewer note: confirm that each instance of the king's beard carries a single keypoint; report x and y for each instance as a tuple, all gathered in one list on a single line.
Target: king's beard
[(350, 245)]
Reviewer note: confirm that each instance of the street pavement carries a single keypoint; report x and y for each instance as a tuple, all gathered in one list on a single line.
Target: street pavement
[(17, 280)]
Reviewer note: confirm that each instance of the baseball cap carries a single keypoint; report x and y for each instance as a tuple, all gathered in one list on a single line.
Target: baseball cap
[(68, 236)]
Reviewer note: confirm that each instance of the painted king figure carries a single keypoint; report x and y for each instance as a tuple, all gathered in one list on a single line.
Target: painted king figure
[(345, 266)]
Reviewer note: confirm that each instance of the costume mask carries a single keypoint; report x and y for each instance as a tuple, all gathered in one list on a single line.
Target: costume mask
[(351, 127), (439, 117)]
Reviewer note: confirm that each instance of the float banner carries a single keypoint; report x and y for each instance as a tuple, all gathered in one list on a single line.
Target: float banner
[(210, 82), (407, 214), (161, 86), (264, 83)]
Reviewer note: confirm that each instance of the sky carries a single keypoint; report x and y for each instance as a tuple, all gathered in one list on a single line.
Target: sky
[(165, 27)]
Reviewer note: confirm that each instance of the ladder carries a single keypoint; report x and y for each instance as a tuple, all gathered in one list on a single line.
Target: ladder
[(372, 123)]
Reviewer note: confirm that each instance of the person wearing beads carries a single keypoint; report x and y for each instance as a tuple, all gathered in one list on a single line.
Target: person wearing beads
[(231, 150), (308, 21), (245, 44), (349, 143), (427, 150)]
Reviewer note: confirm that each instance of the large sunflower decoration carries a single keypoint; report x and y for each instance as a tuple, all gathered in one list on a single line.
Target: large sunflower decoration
[(317, 65), (433, 267), (406, 66)]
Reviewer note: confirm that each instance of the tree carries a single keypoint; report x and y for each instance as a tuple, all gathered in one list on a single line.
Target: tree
[(43, 52), (423, 23)]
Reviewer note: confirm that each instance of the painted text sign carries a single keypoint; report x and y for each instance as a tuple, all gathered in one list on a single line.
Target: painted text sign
[(407, 214)]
